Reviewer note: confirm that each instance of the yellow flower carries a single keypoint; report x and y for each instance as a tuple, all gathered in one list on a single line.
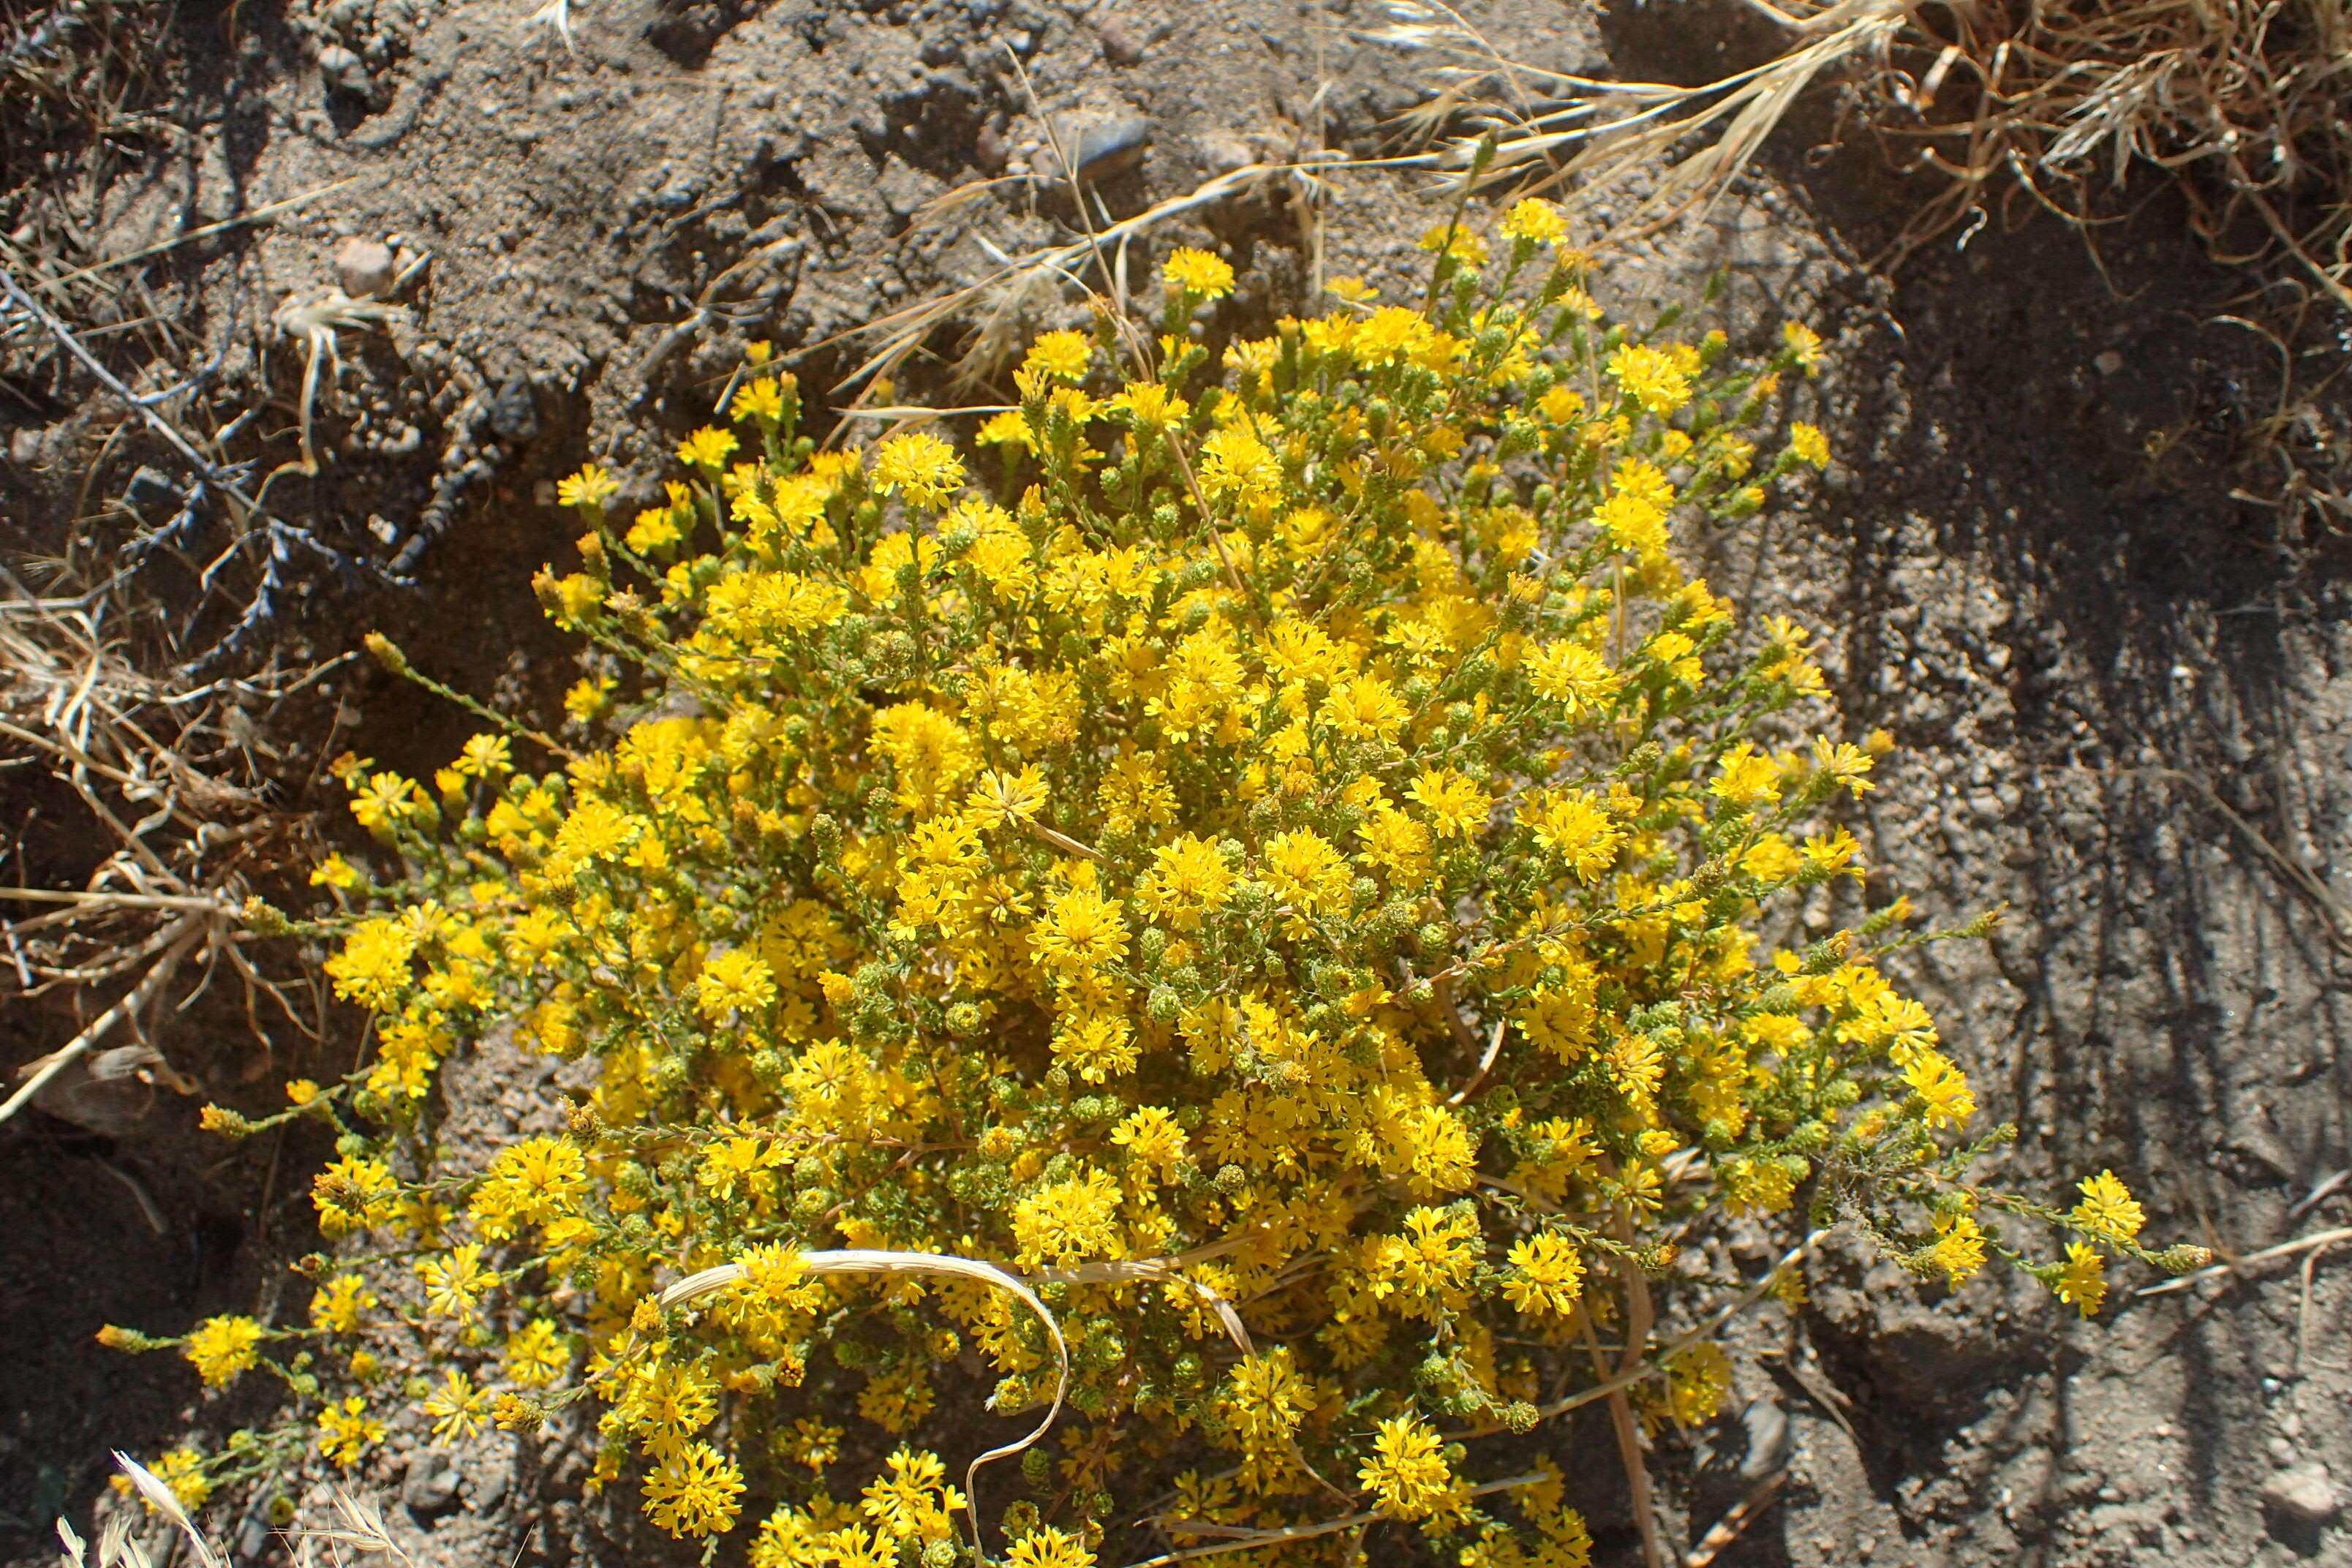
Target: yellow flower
[(354, 1193), (1234, 462), (1697, 1384), (761, 400), (1198, 273), (1651, 377), (1457, 807), (1407, 1474), (1081, 931), (1302, 868), (589, 697), (590, 488), (1064, 355), (2107, 1208), (1222, 850), (220, 1348), (1573, 675), (1942, 1087), (1149, 404), (1808, 444), (2083, 1282), (1535, 220), (1050, 1547), (1547, 1275), (1574, 827), (346, 1432), (920, 463), (1393, 335), (1188, 880), (1804, 343), (1365, 708), (1002, 799), (1007, 428), (457, 1409), (537, 1355), (708, 449), (734, 982), (335, 872), (1151, 1136), (453, 1283), (1958, 1248), (1746, 778), (1096, 1047), (1068, 1222), (813, 1444), (485, 757), (657, 530), (340, 1303), (1455, 241)]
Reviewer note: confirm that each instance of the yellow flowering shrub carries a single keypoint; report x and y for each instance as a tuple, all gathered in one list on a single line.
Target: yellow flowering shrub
[(1276, 861)]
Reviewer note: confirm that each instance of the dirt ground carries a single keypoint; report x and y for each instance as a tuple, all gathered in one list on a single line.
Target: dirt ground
[(2043, 558)]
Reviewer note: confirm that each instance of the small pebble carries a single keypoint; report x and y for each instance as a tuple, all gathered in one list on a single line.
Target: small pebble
[(432, 1482), (343, 69), (1222, 151), (363, 267), (1106, 146), (2305, 1494), (1122, 41)]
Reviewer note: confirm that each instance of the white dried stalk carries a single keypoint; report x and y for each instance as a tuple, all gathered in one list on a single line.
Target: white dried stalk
[(167, 1503), (363, 1528), (1169, 1269), (316, 321), (182, 936), (874, 1260)]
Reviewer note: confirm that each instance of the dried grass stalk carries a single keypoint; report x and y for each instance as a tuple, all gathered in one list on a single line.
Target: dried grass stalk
[(166, 1502), (872, 1261)]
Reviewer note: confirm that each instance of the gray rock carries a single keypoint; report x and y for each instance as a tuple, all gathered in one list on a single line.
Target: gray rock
[(363, 267), (344, 69), (514, 412), (2304, 1494), (1100, 148), (1769, 1440), (153, 490), (1223, 152), (486, 1487), (1123, 43), (431, 1486)]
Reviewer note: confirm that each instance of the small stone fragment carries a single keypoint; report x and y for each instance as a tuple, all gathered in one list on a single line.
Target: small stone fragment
[(1122, 41), (988, 152), (514, 412), (1223, 152), (2304, 1494), (344, 69), (1098, 149), (363, 267), (153, 490), (431, 1486)]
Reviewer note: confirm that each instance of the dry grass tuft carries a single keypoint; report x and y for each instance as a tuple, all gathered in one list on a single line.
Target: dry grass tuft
[(2247, 102), (149, 766)]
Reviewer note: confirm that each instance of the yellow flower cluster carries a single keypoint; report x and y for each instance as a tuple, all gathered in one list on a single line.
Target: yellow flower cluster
[(1282, 868)]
